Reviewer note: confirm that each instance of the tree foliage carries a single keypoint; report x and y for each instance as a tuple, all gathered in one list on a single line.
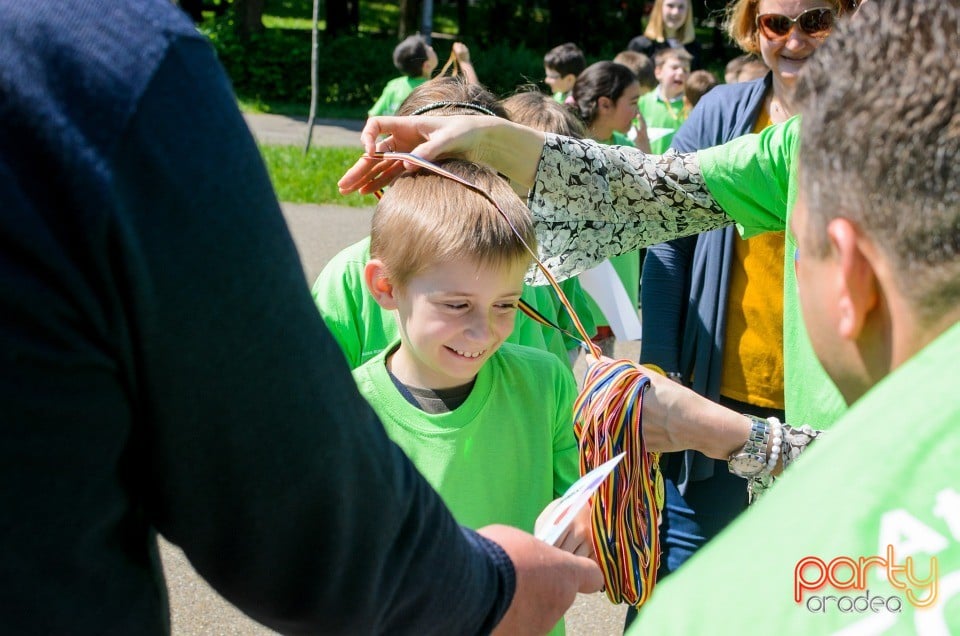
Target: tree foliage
[(507, 38)]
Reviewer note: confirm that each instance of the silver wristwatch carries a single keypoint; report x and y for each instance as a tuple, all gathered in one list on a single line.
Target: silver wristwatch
[(750, 460)]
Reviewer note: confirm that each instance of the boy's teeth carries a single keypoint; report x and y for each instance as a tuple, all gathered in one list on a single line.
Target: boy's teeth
[(467, 354)]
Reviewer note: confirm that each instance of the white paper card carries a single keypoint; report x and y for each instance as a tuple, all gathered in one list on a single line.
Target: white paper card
[(557, 516), (607, 290)]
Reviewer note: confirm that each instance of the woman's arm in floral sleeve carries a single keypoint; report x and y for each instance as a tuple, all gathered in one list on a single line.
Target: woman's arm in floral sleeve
[(592, 201)]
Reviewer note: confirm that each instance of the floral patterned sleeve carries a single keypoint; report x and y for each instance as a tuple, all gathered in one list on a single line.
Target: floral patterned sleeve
[(592, 201)]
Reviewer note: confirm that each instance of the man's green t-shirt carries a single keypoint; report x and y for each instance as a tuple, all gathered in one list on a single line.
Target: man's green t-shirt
[(753, 178), (882, 487)]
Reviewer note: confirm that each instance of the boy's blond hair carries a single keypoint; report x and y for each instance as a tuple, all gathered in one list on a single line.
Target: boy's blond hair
[(425, 219), (697, 85), (681, 55), (641, 65), (541, 112)]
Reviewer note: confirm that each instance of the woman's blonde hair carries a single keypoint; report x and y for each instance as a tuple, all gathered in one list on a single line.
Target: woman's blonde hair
[(741, 21), (654, 29)]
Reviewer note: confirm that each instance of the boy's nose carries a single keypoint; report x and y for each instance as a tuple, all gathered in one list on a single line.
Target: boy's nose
[(479, 327)]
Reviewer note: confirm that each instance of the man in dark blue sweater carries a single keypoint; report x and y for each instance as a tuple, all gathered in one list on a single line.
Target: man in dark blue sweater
[(164, 370)]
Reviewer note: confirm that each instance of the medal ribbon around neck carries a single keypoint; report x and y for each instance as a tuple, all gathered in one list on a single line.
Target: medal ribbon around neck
[(608, 420)]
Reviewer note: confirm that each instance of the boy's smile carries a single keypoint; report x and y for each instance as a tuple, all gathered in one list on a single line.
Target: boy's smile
[(452, 317)]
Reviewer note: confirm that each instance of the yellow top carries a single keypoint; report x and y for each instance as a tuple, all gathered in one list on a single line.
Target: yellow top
[(753, 346)]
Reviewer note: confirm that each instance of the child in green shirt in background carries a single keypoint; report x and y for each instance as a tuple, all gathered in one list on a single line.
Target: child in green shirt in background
[(416, 59), (606, 95), (662, 108), (561, 65)]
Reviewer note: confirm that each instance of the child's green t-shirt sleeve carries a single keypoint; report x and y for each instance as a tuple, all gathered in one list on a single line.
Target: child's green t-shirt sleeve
[(332, 300), (750, 177), (380, 106), (566, 452)]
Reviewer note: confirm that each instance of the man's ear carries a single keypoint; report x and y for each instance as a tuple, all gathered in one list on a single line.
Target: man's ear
[(378, 282), (857, 279)]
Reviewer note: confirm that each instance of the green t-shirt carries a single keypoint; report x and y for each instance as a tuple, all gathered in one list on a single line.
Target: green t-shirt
[(394, 93), (502, 455), (887, 475), (753, 178), (663, 119), (363, 329)]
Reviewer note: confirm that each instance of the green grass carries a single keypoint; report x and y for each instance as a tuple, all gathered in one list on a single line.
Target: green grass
[(312, 178)]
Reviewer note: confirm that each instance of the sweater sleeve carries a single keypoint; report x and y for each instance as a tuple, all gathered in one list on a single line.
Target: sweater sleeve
[(261, 459), (593, 202)]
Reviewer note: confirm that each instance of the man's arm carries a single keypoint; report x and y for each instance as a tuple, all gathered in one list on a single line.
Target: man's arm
[(265, 465)]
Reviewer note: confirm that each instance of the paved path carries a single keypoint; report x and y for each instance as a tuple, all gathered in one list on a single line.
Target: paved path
[(284, 130), (320, 231)]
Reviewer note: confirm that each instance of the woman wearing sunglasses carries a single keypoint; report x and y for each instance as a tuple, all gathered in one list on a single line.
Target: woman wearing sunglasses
[(713, 304)]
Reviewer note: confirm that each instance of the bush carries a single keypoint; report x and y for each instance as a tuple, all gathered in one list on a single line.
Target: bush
[(274, 66), (502, 69)]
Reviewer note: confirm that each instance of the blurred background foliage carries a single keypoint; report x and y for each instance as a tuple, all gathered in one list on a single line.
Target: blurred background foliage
[(265, 44)]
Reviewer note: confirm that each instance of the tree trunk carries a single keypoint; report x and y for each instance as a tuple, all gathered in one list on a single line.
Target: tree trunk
[(314, 46), (249, 17)]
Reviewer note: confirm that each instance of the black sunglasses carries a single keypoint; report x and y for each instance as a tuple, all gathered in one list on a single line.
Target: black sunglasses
[(817, 23)]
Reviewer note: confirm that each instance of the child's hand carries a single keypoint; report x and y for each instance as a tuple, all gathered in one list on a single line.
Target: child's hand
[(461, 52), (578, 537)]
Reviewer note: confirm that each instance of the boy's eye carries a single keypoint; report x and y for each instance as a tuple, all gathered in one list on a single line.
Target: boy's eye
[(511, 305), (455, 305)]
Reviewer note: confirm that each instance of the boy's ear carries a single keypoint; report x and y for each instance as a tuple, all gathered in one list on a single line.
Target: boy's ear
[(858, 293), (378, 282)]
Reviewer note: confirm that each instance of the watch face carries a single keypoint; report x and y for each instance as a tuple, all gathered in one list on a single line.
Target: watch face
[(745, 465)]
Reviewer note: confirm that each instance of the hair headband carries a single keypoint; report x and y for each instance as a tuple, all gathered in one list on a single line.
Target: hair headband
[(436, 105)]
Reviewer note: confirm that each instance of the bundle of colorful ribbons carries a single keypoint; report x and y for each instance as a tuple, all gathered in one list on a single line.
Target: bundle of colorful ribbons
[(608, 420)]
